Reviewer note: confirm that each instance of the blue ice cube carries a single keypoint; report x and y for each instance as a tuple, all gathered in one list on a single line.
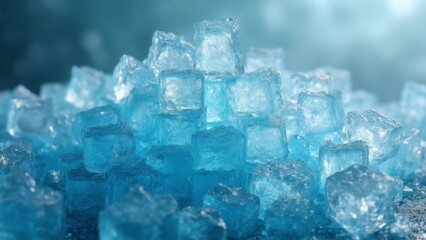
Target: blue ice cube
[(239, 209), (195, 223), (29, 211), (339, 79), (380, 133), (202, 181), (71, 160), (298, 148), (60, 132), (121, 178), (362, 199), (16, 156), (310, 82), (85, 196), (138, 216), (218, 149), (28, 115), (170, 52), (215, 102), (55, 92), (140, 113), (413, 98), (292, 178), (289, 218), (265, 142), (337, 157), (258, 58), (177, 128), (86, 88), (180, 91), (130, 73), (175, 163), (218, 46), (254, 94), (320, 112), (410, 157), (107, 146), (95, 117)]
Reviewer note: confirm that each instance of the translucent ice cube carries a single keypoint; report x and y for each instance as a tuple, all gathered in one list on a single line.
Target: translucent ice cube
[(107, 146), (218, 149), (138, 216), (292, 178), (217, 46), (194, 224), (289, 218), (180, 91), (238, 208), (86, 88), (380, 133), (29, 211), (254, 94), (320, 112), (361, 199), (130, 73), (170, 52)]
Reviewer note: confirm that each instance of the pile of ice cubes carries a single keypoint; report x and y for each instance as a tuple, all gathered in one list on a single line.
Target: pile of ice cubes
[(194, 142)]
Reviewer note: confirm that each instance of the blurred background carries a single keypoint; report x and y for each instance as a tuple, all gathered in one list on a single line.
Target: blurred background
[(382, 42)]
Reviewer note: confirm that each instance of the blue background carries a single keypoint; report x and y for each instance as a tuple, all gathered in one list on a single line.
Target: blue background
[(383, 43)]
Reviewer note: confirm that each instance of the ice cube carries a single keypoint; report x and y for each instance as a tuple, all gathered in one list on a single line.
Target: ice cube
[(16, 156), (170, 52), (410, 157), (107, 146), (217, 46), (289, 218), (175, 164), (265, 142), (86, 88), (195, 223), (180, 91), (29, 211), (138, 216), (320, 112), (130, 73), (362, 199), (254, 94), (140, 111), (28, 115), (95, 117), (239, 209), (215, 102), (218, 149), (380, 133), (292, 178)]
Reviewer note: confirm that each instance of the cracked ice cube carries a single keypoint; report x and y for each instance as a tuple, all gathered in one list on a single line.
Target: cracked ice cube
[(362, 199), (217, 46), (380, 133)]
